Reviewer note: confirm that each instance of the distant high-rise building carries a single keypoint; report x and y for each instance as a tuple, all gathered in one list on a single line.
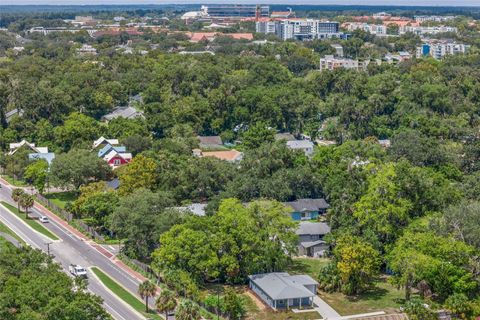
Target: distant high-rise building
[(440, 49), (377, 29), (236, 11), (300, 29)]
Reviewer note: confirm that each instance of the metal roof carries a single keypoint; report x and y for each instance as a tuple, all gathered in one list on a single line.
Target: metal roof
[(313, 228), (124, 112), (281, 285), (308, 205), (299, 144)]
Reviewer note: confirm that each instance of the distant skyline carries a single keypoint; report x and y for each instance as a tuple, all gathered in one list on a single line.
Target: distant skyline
[(434, 3)]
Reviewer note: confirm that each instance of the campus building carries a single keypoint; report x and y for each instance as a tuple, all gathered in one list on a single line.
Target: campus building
[(440, 49), (300, 29), (376, 29), (236, 11)]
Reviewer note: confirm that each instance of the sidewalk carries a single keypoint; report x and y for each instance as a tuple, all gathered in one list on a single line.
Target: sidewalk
[(99, 248), (324, 309), (79, 235)]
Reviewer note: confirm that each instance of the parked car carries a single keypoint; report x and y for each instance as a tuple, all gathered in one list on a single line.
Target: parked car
[(77, 270), (43, 219)]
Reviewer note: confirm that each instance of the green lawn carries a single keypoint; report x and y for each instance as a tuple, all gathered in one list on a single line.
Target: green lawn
[(123, 294), (16, 183), (384, 297), (61, 198), (254, 313), (32, 223), (7, 230), (310, 266)]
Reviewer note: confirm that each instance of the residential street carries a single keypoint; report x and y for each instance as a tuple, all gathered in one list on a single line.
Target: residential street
[(74, 248)]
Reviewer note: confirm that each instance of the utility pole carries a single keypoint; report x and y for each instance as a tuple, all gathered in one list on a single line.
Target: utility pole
[(48, 247)]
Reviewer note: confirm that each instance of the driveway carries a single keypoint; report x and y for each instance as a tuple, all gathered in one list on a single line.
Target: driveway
[(324, 309)]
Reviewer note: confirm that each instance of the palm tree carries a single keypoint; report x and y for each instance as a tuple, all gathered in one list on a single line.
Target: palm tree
[(166, 302), (26, 201), (146, 290), (188, 310), (16, 195)]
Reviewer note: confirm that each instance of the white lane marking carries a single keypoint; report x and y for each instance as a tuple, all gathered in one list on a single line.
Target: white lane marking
[(29, 227), (113, 312), (112, 293), (32, 243), (22, 235)]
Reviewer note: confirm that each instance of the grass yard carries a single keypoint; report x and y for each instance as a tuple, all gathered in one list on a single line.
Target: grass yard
[(384, 297), (61, 198), (310, 266), (32, 223), (123, 294), (15, 182), (254, 313)]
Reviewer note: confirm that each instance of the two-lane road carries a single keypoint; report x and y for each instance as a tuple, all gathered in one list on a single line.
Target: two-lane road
[(72, 248)]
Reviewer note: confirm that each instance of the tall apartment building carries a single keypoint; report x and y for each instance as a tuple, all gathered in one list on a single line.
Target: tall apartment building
[(236, 11), (440, 49), (377, 29), (300, 29)]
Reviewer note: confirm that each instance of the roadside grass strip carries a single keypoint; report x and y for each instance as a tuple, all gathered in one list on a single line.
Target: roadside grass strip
[(14, 182), (30, 222), (5, 229), (123, 294)]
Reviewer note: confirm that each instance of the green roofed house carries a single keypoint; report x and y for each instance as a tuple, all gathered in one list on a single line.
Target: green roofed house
[(279, 290)]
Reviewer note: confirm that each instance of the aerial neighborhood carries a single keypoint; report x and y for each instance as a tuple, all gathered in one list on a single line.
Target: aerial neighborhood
[(239, 161)]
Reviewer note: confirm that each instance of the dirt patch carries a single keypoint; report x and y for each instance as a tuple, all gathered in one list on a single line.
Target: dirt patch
[(260, 305)]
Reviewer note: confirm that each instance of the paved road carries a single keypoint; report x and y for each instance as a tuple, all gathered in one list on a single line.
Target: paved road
[(73, 248)]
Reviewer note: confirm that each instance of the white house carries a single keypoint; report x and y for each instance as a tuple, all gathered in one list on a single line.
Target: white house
[(303, 145)]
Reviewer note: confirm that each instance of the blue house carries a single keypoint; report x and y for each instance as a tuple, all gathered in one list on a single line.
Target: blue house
[(279, 290), (307, 209), (107, 148)]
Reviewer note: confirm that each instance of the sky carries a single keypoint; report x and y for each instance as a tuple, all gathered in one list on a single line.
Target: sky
[(297, 2)]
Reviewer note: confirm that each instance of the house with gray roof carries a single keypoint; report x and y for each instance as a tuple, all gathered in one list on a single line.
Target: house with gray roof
[(12, 113), (307, 209), (123, 112), (311, 241), (279, 290), (303, 145)]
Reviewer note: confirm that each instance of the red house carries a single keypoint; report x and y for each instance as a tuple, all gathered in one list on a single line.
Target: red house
[(116, 159)]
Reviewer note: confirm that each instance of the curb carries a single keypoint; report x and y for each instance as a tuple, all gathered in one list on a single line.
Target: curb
[(29, 227), (113, 293)]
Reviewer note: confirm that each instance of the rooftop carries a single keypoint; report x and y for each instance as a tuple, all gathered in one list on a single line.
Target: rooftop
[(102, 139), (299, 144), (313, 228), (281, 285), (123, 112), (308, 204)]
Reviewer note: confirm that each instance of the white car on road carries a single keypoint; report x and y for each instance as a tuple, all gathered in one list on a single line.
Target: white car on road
[(77, 270)]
